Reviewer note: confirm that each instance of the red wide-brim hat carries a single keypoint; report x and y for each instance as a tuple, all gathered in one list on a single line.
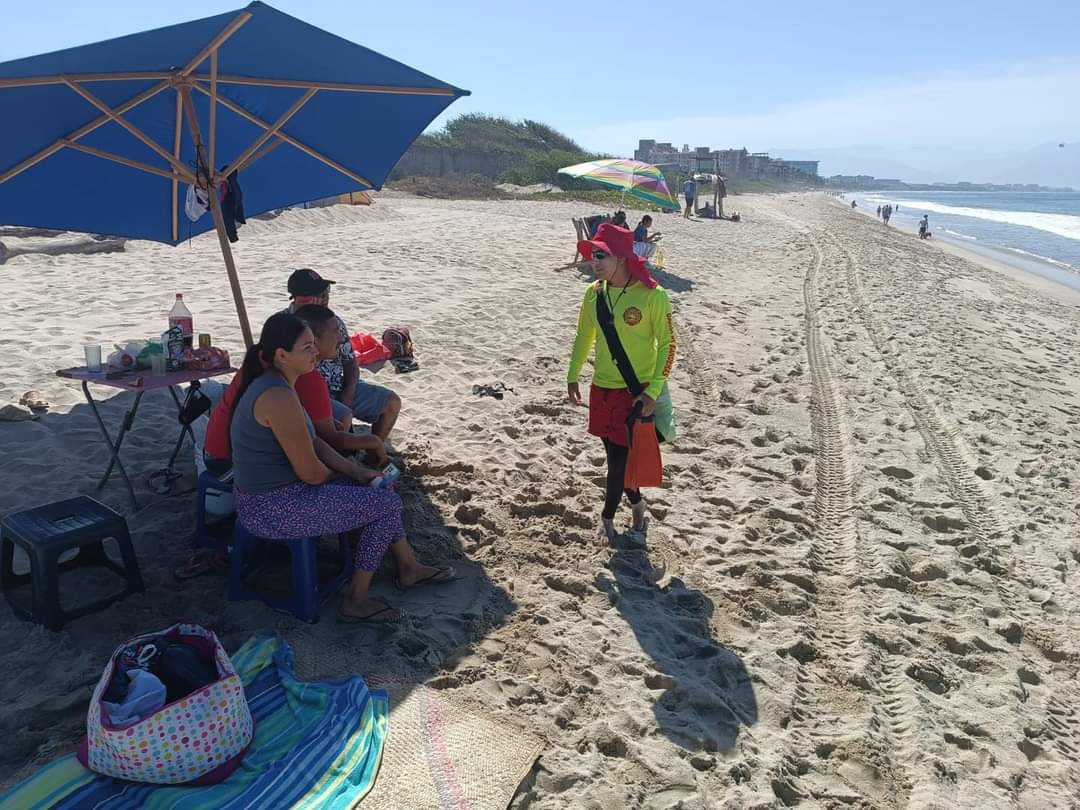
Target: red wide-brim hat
[(616, 241)]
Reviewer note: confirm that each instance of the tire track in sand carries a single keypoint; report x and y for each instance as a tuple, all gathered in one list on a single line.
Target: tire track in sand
[(957, 468), (835, 656)]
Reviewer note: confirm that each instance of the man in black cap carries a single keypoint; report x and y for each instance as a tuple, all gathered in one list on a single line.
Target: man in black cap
[(374, 404)]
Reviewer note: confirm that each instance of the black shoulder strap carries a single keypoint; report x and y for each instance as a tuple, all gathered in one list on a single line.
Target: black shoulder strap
[(606, 319)]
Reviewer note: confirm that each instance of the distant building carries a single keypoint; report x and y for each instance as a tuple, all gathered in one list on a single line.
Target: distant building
[(809, 167), (729, 162), (865, 181), (732, 162), (662, 154)]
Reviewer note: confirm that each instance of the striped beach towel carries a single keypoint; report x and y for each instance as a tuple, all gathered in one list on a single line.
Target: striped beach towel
[(317, 744)]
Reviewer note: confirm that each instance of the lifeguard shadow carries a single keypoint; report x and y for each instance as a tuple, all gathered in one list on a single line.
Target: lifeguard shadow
[(707, 693)]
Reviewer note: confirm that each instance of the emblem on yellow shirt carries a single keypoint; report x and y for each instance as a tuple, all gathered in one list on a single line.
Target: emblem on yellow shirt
[(631, 316)]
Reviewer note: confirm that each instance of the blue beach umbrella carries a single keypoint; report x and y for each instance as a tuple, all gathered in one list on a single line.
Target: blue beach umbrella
[(105, 138)]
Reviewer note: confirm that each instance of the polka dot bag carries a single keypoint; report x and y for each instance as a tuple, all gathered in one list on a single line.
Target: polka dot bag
[(199, 739)]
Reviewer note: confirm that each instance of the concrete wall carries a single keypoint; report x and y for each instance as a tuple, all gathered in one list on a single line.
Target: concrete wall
[(437, 161)]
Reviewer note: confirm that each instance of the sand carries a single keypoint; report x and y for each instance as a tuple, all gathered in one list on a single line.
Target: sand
[(858, 587)]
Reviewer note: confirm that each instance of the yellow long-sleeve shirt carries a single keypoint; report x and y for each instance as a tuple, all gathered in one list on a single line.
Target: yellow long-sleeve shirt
[(643, 323)]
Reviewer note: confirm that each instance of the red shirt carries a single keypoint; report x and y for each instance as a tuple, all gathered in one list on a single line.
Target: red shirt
[(310, 388)]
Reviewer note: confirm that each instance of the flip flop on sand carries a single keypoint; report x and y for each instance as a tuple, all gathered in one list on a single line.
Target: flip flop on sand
[(349, 618), (34, 401), (442, 575), (202, 563)]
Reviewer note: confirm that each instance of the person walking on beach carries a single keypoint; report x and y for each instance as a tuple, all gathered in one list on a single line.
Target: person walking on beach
[(640, 314), (886, 213), (689, 190), (879, 212), (924, 226)]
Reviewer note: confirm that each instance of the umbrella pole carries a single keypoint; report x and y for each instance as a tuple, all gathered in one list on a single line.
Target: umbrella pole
[(219, 220), (230, 268)]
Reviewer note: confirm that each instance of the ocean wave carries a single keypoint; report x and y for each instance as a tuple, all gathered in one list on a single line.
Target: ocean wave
[(1064, 225), (1047, 259), (961, 235)]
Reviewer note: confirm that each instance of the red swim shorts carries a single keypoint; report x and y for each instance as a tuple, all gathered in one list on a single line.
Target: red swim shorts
[(609, 408)]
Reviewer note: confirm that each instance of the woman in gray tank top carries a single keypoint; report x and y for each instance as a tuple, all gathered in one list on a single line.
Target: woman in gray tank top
[(291, 484)]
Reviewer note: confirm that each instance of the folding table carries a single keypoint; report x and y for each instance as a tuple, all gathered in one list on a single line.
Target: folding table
[(140, 382)]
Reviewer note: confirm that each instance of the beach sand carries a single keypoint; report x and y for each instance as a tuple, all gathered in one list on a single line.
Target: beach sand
[(859, 585)]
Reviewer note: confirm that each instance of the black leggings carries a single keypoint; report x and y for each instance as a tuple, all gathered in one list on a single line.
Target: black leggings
[(616, 475)]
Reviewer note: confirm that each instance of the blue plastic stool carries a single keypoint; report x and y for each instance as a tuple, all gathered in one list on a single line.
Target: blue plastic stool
[(207, 483), (45, 533), (306, 600)]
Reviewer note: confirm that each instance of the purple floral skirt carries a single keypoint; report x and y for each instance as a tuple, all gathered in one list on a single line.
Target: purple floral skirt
[(301, 510)]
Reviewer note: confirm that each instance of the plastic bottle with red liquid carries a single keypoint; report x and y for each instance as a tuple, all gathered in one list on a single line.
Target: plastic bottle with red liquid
[(181, 316)]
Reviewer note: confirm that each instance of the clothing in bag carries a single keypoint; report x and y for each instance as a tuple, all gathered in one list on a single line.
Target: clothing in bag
[(145, 695), (198, 739)]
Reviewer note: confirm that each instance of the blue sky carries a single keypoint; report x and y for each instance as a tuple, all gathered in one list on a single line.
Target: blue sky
[(973, 76)]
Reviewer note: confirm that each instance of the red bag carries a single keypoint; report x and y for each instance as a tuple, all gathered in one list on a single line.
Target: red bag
[(644, 466), (368, 350)]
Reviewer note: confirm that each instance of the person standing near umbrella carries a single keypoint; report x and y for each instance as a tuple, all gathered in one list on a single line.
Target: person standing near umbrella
[(689, 190), (641, 311)]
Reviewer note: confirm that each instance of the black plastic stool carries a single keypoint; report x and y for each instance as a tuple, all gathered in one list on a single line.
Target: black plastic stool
[(47, 532)]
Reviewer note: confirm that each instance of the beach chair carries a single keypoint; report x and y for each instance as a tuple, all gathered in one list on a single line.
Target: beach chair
[(581, 230), (306, 598), (44, 534)]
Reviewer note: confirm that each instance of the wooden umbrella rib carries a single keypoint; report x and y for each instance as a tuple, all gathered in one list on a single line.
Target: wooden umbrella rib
[(34, 81), (242, 161), (213, 108), (75, 135), (134, 130), (266, 150), (236, 108), (172, 174), (175, 185), (226, 32), (343, 86), (37, 81)]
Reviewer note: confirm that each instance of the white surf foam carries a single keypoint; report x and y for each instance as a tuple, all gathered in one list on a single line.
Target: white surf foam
[(1064, 225)]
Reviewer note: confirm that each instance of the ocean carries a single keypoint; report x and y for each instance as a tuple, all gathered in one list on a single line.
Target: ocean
[(1036, 231)]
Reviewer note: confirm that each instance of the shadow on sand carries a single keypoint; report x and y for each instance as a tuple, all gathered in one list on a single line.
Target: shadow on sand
[(440, 628), (707, 693)]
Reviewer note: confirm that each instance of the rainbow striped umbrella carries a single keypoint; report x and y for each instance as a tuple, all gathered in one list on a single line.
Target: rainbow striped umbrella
[(642, 180)]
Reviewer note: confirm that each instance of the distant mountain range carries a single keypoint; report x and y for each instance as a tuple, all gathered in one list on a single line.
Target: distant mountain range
[(1047, 164)]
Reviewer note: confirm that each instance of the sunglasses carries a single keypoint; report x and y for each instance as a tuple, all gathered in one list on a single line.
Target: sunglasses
[(599, 255)]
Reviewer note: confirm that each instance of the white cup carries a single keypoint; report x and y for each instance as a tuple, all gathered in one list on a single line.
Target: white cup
[(93, 356)]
